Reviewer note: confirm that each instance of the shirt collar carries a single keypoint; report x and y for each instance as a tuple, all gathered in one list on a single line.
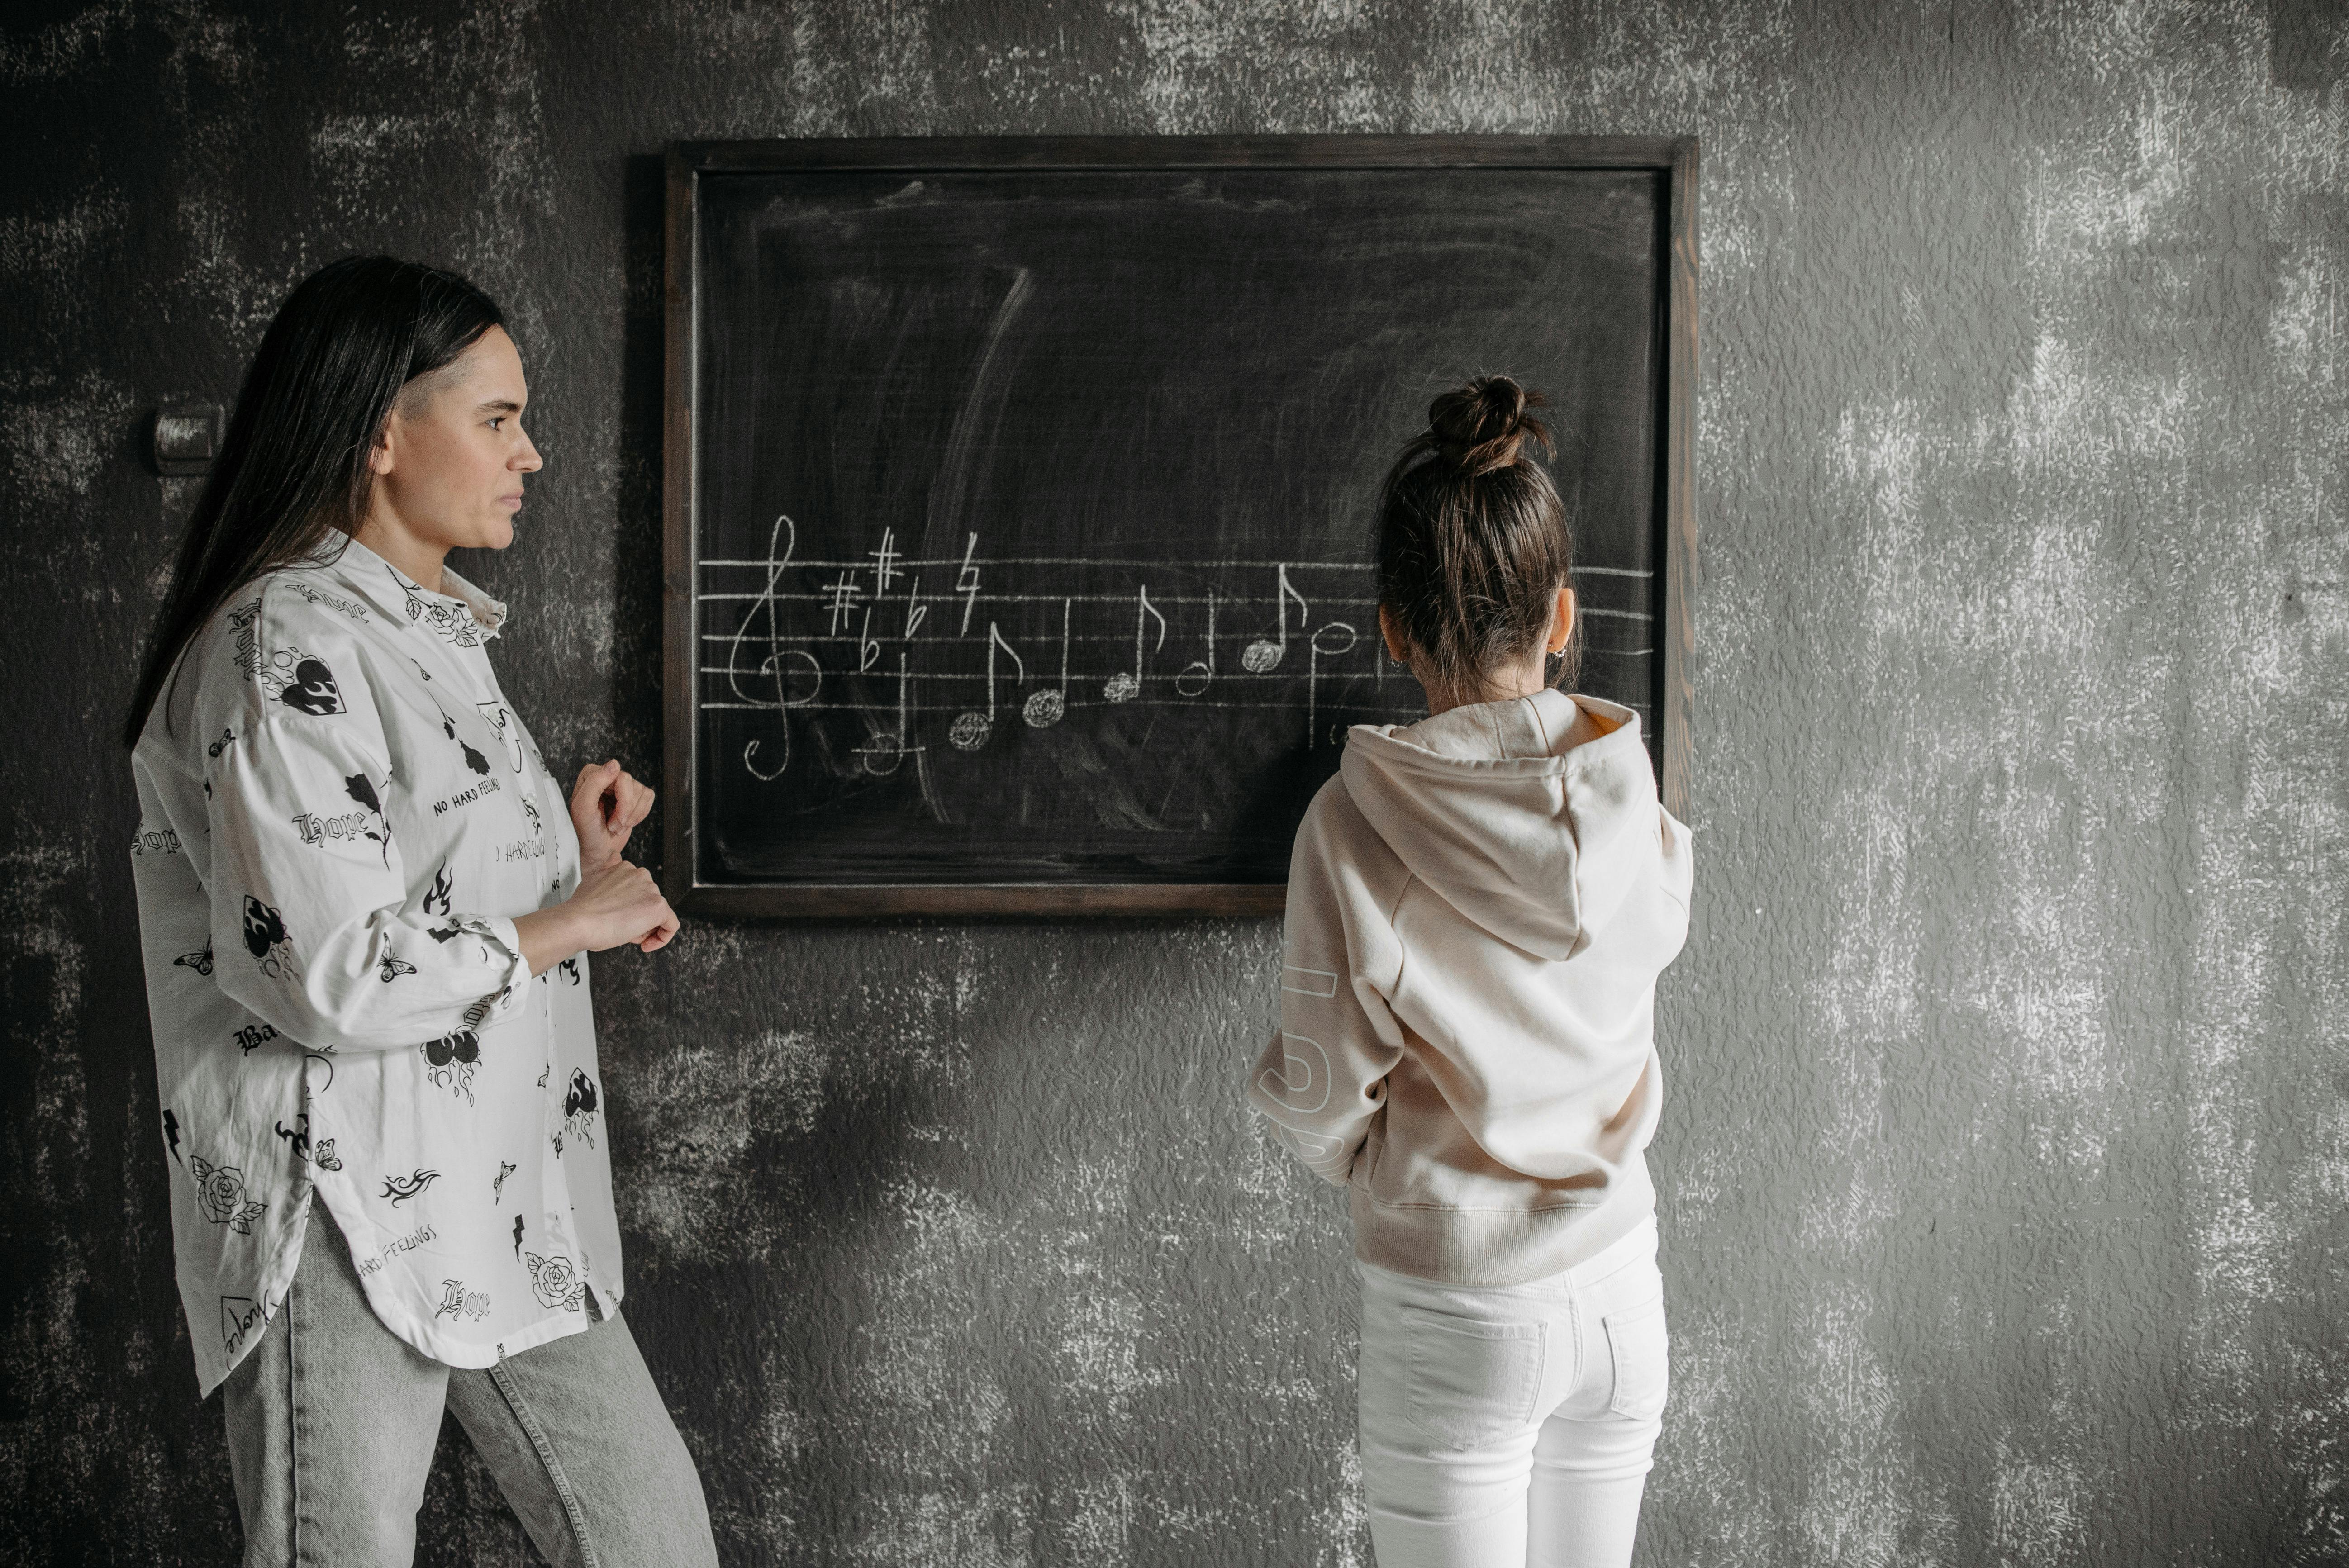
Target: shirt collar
[(393, 592)]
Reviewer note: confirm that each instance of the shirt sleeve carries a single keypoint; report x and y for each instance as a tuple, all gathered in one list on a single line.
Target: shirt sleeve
[(1322, 1080), (312, 922)]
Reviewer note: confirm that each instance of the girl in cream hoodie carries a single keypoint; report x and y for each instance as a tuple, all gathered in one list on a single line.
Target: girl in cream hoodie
[(1478, 906)]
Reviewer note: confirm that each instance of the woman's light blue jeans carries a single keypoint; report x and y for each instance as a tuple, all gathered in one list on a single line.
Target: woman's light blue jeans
[(332, 1421), (1512, 1424)]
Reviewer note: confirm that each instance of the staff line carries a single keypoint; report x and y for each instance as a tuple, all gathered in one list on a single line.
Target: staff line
[(899, 562)]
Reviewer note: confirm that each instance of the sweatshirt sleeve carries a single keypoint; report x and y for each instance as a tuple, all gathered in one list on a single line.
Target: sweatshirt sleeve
[(311, 918), (1321, 1079)]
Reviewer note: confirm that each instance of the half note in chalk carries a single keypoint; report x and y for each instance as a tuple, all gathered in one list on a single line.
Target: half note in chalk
[(969, 730), (1044, 708), (1265, 653), (1124, 686)]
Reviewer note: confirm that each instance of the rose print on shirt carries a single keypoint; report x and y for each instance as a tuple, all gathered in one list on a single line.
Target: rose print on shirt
[(361, 789), (220, 1193), (474, 759), (554, 1281), (452, 1058), (266, 939), (456, 1299), (452, 623)]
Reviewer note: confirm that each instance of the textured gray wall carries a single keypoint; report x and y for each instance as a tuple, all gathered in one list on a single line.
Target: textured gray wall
[(2005, 1160)]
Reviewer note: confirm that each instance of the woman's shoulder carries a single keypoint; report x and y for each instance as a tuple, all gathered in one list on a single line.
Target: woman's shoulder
[(290, 644)]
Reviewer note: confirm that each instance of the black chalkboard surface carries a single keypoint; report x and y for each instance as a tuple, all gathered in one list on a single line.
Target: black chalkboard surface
[(1019, 491)]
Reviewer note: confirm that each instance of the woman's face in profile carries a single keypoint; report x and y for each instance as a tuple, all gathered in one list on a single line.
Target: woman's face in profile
[(451, 465)]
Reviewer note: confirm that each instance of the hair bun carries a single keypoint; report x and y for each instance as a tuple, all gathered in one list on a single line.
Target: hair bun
[(1484, 425)]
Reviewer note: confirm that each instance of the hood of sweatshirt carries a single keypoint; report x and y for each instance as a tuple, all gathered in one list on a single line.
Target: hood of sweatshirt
[(1534, 817)]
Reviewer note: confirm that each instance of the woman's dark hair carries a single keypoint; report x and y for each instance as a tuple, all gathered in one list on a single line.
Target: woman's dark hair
[(293, 464), (1474, 542)]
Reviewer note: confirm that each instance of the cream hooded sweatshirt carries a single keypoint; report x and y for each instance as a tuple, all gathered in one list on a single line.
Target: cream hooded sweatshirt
[(1478, 906)]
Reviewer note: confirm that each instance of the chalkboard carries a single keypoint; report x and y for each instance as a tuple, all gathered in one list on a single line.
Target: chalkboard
[(1019, 493)]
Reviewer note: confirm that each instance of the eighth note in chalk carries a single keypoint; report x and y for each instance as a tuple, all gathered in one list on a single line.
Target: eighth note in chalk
[(1264, 653), (969, 730), (1044, 708), (1124, 686)]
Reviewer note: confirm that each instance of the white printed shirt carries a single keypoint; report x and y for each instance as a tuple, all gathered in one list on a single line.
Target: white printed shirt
[(338, 823)]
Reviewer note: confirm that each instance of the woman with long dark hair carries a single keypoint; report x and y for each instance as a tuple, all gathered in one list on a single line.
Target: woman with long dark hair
[(366, 908)]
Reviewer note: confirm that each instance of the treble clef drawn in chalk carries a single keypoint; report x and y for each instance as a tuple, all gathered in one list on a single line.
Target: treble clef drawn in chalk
[(777, 667), (1200, 674), (1124, 686), (1044, 708), (1317, 649), (1265, 654), (969, 730)]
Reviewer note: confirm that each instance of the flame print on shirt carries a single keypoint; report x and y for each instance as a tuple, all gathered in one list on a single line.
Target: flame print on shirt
[(451, 1060), (299, 680), (220, 1193), (266, 939), (555, 1282), (578, 1112), (401, 1188)]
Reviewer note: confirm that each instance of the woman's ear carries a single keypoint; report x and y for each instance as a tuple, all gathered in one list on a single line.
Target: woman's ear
[(1561, 621), (379, 455)]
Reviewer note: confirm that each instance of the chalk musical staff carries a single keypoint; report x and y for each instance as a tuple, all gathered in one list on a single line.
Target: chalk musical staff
[(853, 674)]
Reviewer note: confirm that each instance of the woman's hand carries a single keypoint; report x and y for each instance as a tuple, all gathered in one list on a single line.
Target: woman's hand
[(617, 906), (607, 804)]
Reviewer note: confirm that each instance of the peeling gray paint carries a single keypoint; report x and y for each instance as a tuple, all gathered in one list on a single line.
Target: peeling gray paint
[(2005, 1164)]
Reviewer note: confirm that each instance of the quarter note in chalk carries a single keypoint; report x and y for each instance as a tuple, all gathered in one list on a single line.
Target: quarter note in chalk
[(1200, 674), (884, 747), (969, 730), (1124, 686), (1044, 708), (1264, 653)]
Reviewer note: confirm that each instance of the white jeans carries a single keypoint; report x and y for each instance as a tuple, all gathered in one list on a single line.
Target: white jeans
[(1512, 1424)]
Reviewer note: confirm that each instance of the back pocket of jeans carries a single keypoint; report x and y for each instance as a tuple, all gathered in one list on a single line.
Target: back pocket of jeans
[(1471, 1380), (1636, 1343)]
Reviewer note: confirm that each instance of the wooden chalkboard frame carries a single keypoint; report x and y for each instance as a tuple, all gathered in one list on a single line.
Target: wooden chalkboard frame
[(1673, 157)]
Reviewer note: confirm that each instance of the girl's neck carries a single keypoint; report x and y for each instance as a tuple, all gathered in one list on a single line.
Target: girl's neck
[(417, 559)]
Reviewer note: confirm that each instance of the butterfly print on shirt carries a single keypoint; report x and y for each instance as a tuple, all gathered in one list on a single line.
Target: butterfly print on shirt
[(498, 1187), (392, 967), (220, 1193), (401, 1188), (266, 939), (201, 963), (555, 1281)]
